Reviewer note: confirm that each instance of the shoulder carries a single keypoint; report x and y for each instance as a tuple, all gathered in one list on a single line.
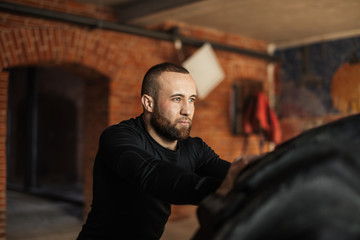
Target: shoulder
[(130, 124), (131, 128)]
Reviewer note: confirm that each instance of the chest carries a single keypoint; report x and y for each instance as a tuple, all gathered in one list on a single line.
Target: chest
[(183, 157)]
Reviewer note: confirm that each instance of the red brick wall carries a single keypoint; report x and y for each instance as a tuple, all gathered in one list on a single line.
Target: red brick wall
[(122, 59), (3, 106)]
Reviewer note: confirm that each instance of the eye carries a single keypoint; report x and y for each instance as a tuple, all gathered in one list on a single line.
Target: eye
[(192, 100), (176, 99)]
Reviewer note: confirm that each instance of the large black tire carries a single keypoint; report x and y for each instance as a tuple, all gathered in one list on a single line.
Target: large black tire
[(307, 188)]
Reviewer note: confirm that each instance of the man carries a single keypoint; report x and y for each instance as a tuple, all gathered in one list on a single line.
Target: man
[(144, 165)]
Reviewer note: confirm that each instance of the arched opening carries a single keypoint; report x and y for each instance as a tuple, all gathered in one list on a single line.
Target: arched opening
[(55, 115)]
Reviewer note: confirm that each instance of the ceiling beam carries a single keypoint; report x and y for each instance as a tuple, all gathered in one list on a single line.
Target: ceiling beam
[(134, 9), (97, 23), (317, 39)]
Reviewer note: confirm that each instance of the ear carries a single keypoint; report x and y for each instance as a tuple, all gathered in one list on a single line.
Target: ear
[(147, 102)]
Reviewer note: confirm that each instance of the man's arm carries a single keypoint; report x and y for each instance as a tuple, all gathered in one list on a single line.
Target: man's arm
[(208, 162), (161, 179)]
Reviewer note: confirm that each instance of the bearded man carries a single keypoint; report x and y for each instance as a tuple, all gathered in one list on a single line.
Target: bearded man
[(147, 163)]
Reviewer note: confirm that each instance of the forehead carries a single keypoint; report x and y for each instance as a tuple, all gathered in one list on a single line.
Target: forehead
[(177, 83)]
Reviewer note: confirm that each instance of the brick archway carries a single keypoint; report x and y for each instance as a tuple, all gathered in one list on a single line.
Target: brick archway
[(80, 51), (35, 45)]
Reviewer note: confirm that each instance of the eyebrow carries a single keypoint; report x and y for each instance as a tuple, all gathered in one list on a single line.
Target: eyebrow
[(182, 95)]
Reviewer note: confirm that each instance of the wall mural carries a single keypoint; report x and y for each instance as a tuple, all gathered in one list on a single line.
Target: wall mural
[(320, 79)]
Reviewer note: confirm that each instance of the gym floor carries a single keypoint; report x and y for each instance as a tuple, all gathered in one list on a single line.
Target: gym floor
[(31, 217)]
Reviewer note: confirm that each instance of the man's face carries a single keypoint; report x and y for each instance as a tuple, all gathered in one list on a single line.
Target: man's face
[(174, 108)]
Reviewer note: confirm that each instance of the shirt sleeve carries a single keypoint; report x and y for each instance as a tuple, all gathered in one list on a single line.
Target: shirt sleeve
[(209, 163), (124, 154)]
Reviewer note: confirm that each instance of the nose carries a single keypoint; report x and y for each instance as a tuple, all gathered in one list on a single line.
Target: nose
[(187, 108)]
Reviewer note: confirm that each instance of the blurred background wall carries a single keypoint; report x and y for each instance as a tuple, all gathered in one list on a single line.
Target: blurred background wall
[(62, 83)]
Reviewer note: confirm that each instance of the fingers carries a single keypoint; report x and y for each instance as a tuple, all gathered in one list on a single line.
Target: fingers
[(237, 159), (246, 159), (236, 167)]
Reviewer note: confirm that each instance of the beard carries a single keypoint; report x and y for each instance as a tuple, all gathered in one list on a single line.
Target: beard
[(168, 130)]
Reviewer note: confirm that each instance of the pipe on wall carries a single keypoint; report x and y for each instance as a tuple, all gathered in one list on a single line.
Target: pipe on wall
[(96, 23)]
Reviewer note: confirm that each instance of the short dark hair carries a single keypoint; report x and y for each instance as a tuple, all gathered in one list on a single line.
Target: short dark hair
[(150, 84)]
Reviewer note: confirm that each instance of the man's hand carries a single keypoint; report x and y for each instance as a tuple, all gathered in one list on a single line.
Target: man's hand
[(236, 167)]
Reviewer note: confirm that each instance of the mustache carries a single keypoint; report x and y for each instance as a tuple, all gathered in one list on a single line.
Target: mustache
[(184, 119)]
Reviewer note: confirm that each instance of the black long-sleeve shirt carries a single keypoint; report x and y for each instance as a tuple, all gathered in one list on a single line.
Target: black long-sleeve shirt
[(136, 180)]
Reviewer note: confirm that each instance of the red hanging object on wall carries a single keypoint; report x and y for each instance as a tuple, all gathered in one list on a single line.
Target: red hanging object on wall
[(260, 118)]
